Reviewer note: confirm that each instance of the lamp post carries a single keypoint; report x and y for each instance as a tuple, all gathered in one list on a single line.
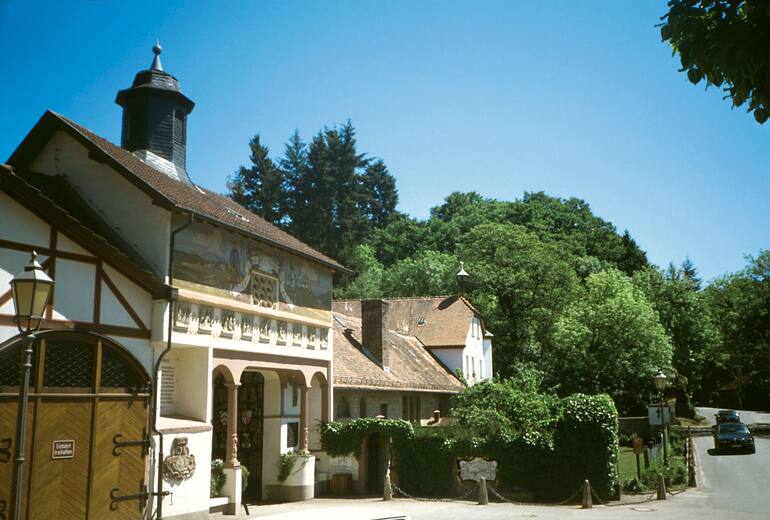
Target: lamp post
[(462, 277), (660, 384), (31, 290)]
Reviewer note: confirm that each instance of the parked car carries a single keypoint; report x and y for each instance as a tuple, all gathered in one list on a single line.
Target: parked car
[(731, 436), (728, 416)]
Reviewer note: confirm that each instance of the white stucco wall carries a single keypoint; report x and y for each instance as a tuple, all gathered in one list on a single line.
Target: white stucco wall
[(123, 205), (190, 495)]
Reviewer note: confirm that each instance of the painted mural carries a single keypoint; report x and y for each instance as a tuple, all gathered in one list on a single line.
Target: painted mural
[(212, 260)]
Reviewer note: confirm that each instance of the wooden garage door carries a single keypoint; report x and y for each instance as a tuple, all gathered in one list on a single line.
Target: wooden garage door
[(87, 430)]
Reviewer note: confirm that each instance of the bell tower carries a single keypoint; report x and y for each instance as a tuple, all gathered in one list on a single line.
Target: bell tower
[(155, 119)]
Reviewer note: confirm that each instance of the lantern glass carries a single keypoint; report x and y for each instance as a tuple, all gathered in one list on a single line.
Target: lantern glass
[(31, 291), (660, 381)]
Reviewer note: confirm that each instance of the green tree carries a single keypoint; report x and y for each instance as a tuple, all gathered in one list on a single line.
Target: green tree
[(685, 315), (368, 281), (428, 273), (609, 340), (507, 406), (520, 285), (724, 42), (260, 187), (378, 194), (325, 193), (401, 238), (740, 304)]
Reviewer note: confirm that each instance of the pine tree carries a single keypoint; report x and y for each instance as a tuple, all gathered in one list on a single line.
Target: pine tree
[(260, 188)]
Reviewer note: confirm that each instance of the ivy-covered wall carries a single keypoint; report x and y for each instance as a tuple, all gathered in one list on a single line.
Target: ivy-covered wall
[(582, 445)]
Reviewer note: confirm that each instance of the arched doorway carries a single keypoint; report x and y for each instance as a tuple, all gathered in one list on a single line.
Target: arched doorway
[(250, 426), (87, 440)]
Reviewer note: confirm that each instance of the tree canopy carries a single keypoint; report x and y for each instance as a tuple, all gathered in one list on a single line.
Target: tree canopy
[(325, 193), (724, 43)]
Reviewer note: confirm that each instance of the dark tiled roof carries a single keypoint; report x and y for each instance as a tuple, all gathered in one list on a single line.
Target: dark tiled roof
[(168, 192), (53, 200), (438, 321), (411, 366)]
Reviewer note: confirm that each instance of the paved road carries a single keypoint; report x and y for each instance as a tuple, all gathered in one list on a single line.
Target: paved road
[(747, 417)]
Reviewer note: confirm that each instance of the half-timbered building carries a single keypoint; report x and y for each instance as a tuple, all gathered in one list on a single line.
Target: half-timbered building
[(182, 328)]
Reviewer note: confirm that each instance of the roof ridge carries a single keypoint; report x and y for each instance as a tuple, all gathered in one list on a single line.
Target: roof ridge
[(177, 196)]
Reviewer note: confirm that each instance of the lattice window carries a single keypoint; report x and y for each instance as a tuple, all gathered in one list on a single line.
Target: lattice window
[(296, 334), (264, 330), (117, 372), (68, 364), (167, 387), (264, 290), (10, 374), (324, 339)]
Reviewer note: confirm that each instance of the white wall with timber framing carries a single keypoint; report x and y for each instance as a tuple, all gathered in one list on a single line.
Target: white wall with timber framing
[(131, 212), (89, 293)]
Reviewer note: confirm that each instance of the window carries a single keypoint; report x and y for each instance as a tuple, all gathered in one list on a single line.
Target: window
[(180, 136), (343, 408), (362, 407), (292, 434), (467, 366), (410, 408), (384, 410), (481, 368)]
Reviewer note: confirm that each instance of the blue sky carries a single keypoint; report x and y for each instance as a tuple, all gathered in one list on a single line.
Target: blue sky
[(571, 98)]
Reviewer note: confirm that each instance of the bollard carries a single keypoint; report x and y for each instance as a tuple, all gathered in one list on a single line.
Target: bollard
[(387, 490), (587, 502), (483, 497), (661, 487)]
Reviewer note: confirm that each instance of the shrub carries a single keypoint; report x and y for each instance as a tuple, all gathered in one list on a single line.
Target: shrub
[(587, 443), (217, 477), (286, 464)]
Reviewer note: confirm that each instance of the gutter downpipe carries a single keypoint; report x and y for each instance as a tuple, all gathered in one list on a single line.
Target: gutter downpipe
[(156, 403)]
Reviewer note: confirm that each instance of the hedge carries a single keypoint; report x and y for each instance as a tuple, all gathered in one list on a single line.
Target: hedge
[(587, 442), (552, 464)]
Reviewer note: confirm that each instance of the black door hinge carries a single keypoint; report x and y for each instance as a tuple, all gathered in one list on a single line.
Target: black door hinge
[(118, 443), (142, 496)]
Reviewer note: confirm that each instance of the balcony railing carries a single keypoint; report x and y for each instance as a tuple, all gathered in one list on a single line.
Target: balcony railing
[(198, 319)]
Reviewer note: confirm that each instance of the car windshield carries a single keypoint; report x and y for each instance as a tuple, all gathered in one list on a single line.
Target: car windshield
[(733, 428)]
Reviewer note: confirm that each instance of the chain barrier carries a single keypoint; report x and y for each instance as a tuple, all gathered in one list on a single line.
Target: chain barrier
[(503, 498), (464, 496), (500, 496)]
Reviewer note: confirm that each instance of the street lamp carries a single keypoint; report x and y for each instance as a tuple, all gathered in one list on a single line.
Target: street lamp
[(31, 291), (462, 277), (660, 384)]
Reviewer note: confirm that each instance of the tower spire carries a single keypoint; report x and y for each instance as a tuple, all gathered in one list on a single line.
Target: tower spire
[(156, 64)]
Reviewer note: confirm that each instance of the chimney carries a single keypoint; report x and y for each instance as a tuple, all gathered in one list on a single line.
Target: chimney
[(374, 323)]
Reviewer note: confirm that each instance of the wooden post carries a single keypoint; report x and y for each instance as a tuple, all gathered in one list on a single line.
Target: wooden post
[(661, 487), (232, 425)]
